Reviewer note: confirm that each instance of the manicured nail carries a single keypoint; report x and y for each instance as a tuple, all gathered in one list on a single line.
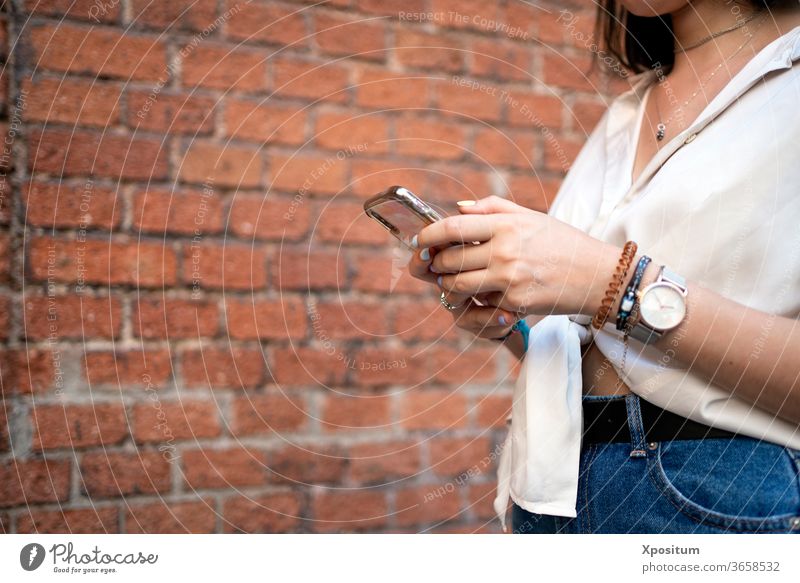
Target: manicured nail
[(466, 203), (502, 319), (439, 280), (433, 269), (425, 254), (414, 243)]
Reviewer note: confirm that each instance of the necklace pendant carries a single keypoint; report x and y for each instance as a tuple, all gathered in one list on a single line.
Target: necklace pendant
[(661, 131)]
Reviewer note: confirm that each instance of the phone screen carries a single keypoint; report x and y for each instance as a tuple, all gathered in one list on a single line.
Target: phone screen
[(405, 222)]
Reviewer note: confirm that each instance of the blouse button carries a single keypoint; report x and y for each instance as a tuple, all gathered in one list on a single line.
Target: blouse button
[(690, 139)]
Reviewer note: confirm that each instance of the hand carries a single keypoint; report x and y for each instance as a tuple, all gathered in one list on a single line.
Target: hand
[(527, 263)]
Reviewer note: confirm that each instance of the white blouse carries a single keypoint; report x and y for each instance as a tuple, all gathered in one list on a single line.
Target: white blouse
[(720, 205)]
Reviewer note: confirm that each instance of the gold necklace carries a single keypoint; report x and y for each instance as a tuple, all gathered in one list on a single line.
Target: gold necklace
[(661, 127)]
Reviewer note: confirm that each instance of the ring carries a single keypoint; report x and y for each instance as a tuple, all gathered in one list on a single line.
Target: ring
[(448, 305)]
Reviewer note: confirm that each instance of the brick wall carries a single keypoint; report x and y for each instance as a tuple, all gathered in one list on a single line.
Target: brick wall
[(200, 330)]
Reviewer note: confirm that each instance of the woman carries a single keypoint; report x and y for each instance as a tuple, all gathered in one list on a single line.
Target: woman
[(660, 386)]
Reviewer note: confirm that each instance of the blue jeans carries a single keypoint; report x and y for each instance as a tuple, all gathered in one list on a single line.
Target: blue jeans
[(707, 486)]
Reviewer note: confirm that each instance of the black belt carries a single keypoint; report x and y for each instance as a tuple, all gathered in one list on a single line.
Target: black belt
[(607, 421)]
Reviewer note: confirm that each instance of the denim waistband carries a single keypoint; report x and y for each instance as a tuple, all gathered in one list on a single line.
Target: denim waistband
[(603, 397)]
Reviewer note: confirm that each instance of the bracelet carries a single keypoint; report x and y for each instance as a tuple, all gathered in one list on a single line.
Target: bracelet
[(628, 253), (520, 326), (629, 299)]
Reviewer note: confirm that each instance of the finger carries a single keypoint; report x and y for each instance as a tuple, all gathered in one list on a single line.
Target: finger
[(469, 282), (418, 265), (458, 258), (461, 300), (490, 204), (457, 229), (476, 318)]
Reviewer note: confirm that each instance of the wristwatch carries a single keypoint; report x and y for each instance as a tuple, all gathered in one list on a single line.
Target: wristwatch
[(661, 306)]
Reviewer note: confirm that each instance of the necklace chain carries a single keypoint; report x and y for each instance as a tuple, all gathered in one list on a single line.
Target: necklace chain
[(718, 34), (661, 127)]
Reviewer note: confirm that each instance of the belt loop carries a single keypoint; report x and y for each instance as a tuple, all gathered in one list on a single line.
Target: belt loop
[(635, 425)]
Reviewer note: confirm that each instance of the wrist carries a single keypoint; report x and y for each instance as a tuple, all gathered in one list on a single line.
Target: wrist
[(606, 262)]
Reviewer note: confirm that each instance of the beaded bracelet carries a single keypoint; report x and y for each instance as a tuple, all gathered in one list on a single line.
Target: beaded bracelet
[(628, 253), (629, 299)]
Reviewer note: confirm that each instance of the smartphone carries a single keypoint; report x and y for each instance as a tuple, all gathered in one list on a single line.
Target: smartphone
[(401, 212)]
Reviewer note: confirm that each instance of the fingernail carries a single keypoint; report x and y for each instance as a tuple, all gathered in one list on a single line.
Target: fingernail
[(433, 269), (439, 280), (466, 203), (502, 320), (414, 243), (425, 254)]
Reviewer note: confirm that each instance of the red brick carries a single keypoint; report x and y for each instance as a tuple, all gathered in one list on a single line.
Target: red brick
[(422, 320), (505, 148), (467, 103), (356, 412), (5, 441), (451, 183), (112, 475), (429, 51), (223, 468), (390, 7), (223, 367), (296, 269), (228, 165), (93, 520), (427, 138), (300, 465), (493, 410), (434, 409), (585, 114), (379, 366), (349, 511), (473, 14), (166, 319), (274, 412), (373, 176), (78, 426), (99, 51), (264, 122), (463, 457), (5, 257), (28, 371), (183, 213), (223, 67), (530, 109), (160, 421), (79, 9), (534, 192), (420, 505), (71, 316), (383, 89), (384, 461), (7, 190), (229, 266), (33, 481), (573, 73), (267, 23), (345, 223), (102, 262), (165, 517), (463, 366), (309, 366), (325, 81), (63, 204), (353, 38), (349, 319), (481, 498), (81, 153), (133, 368), (507, 61), (351, 135), (266, 319), (270, 217), (70, 101), (380, 274), (170, 113), (560, 153), (307, 175), (194, 15), (273, 513)]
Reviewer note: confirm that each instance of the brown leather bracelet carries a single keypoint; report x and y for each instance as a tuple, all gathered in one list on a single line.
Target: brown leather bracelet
[(624, 263)]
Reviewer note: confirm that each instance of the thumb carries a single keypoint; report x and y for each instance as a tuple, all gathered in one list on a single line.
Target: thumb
[(488, 205)]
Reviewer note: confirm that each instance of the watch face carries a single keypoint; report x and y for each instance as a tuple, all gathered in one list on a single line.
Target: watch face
[(662, 307)]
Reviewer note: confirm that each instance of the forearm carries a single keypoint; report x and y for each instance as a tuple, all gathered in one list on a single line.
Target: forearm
[(750, 353)]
